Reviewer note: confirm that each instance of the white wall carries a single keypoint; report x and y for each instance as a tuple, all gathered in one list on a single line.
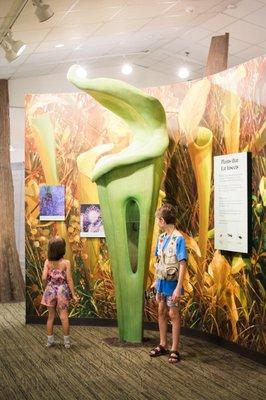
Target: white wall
[(17, 167), (17, 127), (58, 83), (36, 84), (18, 184)]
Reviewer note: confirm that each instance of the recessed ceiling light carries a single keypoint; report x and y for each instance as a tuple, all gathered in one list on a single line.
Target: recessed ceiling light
[(81, 72), (190, 10), (127, 69), (183, 72), (59, 45), (231, 6)]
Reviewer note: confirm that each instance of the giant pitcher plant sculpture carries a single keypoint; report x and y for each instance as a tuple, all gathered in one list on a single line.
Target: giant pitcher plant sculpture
[(128, 185)]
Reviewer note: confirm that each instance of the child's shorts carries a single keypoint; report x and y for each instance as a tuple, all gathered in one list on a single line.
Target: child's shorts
[(56, 296), (161, 298), (166, 299)]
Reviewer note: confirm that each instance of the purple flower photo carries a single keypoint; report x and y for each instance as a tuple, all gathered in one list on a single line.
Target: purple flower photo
[(91, 224), (52, 203)]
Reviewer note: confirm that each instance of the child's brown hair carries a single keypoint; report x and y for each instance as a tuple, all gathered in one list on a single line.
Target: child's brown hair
[(56, 248), (168, 212)]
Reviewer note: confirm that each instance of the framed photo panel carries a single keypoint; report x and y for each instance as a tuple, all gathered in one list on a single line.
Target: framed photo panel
[(91, 224), (52, 203)]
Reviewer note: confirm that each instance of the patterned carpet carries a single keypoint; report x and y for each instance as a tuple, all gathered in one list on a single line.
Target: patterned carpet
[(97, 368)]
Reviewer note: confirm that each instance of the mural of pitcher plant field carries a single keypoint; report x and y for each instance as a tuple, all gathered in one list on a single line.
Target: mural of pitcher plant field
[(225, 113)]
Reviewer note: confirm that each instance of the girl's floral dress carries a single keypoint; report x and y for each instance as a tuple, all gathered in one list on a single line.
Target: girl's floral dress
[(57, 292)]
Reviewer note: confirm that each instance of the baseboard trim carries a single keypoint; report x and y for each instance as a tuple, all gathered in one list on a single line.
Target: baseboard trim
[(153, 326), (33, 319)]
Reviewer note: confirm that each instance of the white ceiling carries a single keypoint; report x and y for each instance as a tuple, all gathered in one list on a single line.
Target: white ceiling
[(98, 33)]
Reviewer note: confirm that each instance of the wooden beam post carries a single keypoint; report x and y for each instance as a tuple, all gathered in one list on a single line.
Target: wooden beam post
[(11, 279), (218, 54)]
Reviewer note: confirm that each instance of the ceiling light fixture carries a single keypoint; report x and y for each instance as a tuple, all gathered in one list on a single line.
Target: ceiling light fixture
[(59, 45), (190, 10), (81, 72), (183, 71), (127, 69), (13, 48), (43, 11), (231, 6)]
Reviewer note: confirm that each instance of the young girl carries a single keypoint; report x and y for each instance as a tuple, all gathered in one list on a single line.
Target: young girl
[(171, 254), (59, 288)]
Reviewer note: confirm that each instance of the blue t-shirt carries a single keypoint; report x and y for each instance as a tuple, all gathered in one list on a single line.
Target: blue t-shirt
[(167, 287)]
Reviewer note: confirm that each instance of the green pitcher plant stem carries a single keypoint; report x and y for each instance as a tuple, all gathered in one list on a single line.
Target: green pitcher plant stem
[(128, 184), (43, 133)]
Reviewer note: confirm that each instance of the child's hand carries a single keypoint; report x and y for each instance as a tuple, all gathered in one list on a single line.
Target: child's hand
[(153, 285), (176, 295)]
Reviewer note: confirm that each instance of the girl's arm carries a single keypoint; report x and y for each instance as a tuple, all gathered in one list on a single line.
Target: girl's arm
[(70, 281), (45, 273)]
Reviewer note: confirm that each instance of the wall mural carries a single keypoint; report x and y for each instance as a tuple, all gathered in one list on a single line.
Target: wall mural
[(225, 113)]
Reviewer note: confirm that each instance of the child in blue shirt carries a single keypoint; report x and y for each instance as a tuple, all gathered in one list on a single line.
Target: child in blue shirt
[(171, 253)]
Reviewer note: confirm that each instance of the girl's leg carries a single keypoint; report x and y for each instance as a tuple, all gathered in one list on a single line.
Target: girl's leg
[(64, 321), (162, 320), (65, 327), (50, 321), (175, 320), (50, 326)]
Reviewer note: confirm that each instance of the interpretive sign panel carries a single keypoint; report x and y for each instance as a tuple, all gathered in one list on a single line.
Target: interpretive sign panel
[(232, 202)]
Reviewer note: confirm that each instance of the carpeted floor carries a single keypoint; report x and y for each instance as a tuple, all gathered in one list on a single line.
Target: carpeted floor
[(97, 368)]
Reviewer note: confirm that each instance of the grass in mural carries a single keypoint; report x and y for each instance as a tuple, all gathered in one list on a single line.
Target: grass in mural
[(230, 299), (232, 302)]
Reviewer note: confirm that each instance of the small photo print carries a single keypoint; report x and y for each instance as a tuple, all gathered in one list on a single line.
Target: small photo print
[(91, 224), (52, 203)]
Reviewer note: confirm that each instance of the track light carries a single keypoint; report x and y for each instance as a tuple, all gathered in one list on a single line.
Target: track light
[(13, 48), (43, 11)]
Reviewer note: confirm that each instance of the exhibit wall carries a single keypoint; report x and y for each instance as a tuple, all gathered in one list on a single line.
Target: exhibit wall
[(223, 114)]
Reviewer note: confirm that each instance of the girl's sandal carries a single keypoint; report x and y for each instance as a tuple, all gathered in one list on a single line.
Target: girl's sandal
[(174, 357), (158, 351)]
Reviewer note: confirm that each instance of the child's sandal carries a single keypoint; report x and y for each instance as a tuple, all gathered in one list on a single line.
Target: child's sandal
[(158, 351), (174, 357)]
